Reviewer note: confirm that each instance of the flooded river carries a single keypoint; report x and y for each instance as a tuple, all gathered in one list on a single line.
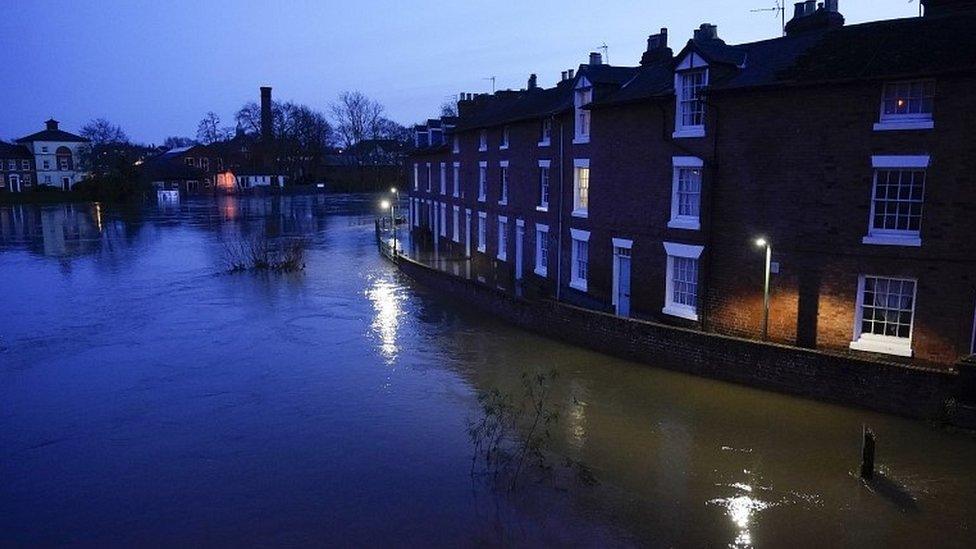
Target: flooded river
[(146, 397)]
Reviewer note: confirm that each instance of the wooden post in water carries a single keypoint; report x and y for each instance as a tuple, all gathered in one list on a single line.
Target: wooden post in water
[(867, 454)]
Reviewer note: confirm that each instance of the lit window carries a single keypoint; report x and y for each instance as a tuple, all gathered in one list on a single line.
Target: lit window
[(686, 193), (483, 140), (897, 197), (502, 238), (681, 284), (690, 119), (482, 238), (885, 315), (581, 188), (482, 181), (503, 176), (546, 133), (583, 97), (541, 249), (504, 144), (457, 179), (443, 178), (907, 105), (580, 260), (543, 185)]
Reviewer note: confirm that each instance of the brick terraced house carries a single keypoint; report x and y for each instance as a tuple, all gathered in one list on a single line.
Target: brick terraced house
[(16, 168), (642, 191)]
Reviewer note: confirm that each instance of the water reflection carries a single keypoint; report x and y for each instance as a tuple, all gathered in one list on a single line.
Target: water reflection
[(386, 300)]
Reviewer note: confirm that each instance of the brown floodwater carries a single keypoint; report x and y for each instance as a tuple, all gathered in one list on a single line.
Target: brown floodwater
[(148, 398)]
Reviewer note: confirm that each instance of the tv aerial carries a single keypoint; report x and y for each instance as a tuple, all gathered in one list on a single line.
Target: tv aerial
[(779, 8)]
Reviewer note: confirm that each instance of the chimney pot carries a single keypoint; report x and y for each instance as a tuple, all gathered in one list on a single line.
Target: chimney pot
[(707, 31), (51, 124), (570, 73), (533, 81), (596, 58), (831, 5)]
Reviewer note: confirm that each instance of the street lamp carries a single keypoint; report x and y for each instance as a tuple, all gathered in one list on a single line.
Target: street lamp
[(384, 205), (763, 243), (396, 199)]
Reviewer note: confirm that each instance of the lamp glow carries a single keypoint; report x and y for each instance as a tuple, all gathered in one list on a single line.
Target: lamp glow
[(385, 204), (761, 242)]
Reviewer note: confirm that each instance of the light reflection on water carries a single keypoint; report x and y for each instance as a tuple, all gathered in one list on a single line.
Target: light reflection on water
[(147, 399)]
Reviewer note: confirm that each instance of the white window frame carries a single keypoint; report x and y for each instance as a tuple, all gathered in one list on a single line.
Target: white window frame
[(505, 139), (875, 343), (575, 280), (456, 144), (482, 181), (545, 131), (691, 63), (897, 122), (503, 238), (482, 231), (678, 221), (443, 178), (457, 224), (483, 141), (457, 179), (443, 228), (544, 204), (890, 237), (687, 251), (503, 183), (541, 252), (582, 96), (578, 210), (430, 177)]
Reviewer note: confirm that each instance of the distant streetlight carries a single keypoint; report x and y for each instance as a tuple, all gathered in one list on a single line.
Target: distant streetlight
[(763, 243), (396, 199)]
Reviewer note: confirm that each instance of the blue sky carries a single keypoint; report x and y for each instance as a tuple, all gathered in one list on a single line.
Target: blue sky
[(156, 67)]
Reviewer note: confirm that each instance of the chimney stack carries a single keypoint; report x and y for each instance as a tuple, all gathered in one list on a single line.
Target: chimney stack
[(52, 125), (570, 74), (657, 48), (596, 58), (807, 16), (706, 32), (267, 120), (935, 8), (533, 82)]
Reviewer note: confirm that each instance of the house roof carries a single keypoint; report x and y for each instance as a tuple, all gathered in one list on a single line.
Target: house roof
[(170, 167), (53, 135), (9, 150)]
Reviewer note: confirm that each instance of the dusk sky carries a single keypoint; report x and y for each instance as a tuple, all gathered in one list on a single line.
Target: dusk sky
[(156, 68)]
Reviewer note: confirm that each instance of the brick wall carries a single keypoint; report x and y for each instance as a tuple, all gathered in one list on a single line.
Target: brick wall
[(877, 385)]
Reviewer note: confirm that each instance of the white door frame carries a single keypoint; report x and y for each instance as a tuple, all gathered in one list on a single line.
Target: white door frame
[(519, 247), (617, 244), (14, 182)]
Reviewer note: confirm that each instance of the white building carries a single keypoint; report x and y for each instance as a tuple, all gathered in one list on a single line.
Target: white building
[(57, 156)]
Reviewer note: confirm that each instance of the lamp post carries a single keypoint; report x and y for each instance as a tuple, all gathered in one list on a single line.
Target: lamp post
[(763, 243), (396, 198)]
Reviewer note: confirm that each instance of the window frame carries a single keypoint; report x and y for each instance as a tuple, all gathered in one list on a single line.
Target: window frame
[(416, 176), (582, 96), (578, 209), (457, 224), (505, 139), (483, 141), (455, 144), (457, 179), (545, 169), (875, 343), (692, 63), (482, 231), (678, 220), (894, 237), (443, 219), (443, 178), (482, 181), (541, 249), (502, 237), (430, 177), (503, 183), (575, 280), (896, 122), (545, 132), (684, 251)]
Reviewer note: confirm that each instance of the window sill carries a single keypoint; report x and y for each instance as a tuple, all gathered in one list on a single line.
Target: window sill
[(899, 125), (481, 199), (482, 150), (688, 132), (581, 140), (503, 148), (542, 272), (896, 348), (455, 195), (481, 250), (502, 258), (503, 202), (686, 224), (544, 143), (891, 240), (680, 312), (542, 208), (578, 285), (580, 213)]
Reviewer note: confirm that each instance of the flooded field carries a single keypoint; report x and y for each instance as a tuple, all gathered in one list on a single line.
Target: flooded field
[(148, 397)]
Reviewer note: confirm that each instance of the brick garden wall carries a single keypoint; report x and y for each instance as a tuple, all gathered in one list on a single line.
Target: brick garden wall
[(885, 387)]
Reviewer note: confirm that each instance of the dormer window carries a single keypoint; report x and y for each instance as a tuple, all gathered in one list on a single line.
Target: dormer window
[(907, 106), (545, 134), (504, 144), (583, 97), (483, 141), (690, 114)]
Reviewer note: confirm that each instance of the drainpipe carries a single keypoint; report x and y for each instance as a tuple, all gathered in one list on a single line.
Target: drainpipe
[(559, 242)]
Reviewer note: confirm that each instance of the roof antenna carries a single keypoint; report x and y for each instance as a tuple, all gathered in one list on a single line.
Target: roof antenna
[(780, 7), (606, 52), (492, 78)]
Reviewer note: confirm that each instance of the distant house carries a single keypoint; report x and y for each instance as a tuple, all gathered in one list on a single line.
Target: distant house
[(190, 170), (242, 179), (57, 155), (16, 168)]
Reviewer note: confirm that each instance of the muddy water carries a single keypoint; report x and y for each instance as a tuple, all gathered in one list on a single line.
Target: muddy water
[(145, 397)]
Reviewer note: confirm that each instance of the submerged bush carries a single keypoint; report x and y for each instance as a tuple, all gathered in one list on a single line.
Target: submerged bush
[(261, 254)]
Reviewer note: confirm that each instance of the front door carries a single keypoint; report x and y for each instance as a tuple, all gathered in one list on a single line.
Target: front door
[(519, 237), (14, 183), (66, 183), (622, 256)]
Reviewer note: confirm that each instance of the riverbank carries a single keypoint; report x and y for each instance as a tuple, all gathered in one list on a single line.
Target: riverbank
[(909, 391)]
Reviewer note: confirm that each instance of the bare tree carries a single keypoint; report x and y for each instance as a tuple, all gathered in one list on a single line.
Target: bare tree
[(357, 117), (175, 142), (209, 130), (449, 108), (102, 132), (388, 129)]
